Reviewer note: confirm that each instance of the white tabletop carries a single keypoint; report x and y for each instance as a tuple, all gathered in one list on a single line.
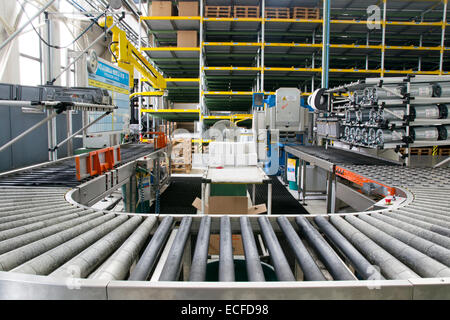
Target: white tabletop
[(247, 174)]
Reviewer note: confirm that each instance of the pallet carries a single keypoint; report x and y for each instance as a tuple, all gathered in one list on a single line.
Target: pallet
[(277, 13), (246, 11), (305, 13), (181, 168), (218, 11), (444, 151), (419, 151)]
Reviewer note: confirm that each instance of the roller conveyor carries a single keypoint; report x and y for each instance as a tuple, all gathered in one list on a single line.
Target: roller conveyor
[(63, 173), (47, 248)]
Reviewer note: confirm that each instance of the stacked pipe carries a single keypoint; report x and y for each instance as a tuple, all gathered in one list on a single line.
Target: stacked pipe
[(390, 108)]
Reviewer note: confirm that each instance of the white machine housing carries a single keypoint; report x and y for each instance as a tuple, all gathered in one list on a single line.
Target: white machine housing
[(287, 115)]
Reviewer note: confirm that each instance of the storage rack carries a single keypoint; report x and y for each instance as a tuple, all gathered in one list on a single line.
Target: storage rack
[(405, 100), (239, 56)]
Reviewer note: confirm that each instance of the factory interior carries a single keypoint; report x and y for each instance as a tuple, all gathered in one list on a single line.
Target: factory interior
[(224, 150)]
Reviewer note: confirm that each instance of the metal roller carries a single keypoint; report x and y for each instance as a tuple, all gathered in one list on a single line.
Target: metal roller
[(392, 114), (12, 243), (389, 136), (372, 136), (423, 233), (422, 217), (40, 211), (200, 259), (365, 136), (118, 265), (424, 133), (20, 206), (381, 94), (426, 112), (90, 258), (358, 261), (254, 268), (390, 266), (429, 213), (350, 116), (37, 214), (279, 261), (172, 266), (226, 261), (362, 116), (145, 264), (416, 260), (429, 248), (309, 268), (47, 218), (330, 259), (48, 208), (422, 224), (51, 260), (425, 90)]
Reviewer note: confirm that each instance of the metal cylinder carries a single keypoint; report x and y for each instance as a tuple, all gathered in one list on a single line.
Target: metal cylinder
[(388, 136), (416, 260), (200, 259), (372, 136), (422, 224), (253, 264), (362, 115), (425, 133), (429, 248), (330, 259), (425, 90), (350, 116), (392, 114), (172, 266), (145, 264), (279, 261), (426, 112), (226, 260), (381, 94), (118, 265), (309, 268), (46, 263), (390, 266), (358, 261), (85, 262), (421, 232), (18, 241), (20, 255)]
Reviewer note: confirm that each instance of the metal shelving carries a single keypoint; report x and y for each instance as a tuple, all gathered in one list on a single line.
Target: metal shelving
[(260, 54)]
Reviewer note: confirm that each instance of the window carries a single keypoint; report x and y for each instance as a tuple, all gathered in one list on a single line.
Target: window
[(30, 59)]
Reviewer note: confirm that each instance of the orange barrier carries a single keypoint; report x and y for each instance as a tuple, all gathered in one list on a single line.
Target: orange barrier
[(360, 180), (160, 139), (97, 162)]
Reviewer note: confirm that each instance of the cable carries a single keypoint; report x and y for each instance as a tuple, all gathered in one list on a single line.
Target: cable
[(110, 50), (53, 46)]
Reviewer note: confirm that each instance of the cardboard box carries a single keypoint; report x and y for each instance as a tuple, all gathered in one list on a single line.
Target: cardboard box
[(229, 205), (214, 245), (160, 8), (188, 9), (187, 39)]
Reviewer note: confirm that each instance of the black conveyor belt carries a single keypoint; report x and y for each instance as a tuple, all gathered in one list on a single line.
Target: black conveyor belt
[(181, 193), (339, 156), (62, 174)]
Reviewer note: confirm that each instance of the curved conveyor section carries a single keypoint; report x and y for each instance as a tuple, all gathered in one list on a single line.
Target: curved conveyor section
[(50, 246)]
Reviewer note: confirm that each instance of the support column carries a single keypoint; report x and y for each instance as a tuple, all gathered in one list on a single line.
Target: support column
[(331, 192), (326, 43), (383, 37), (444, 22)]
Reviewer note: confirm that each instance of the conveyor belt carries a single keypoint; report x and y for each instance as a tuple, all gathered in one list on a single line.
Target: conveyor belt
[(341, 157), (62, 174)]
